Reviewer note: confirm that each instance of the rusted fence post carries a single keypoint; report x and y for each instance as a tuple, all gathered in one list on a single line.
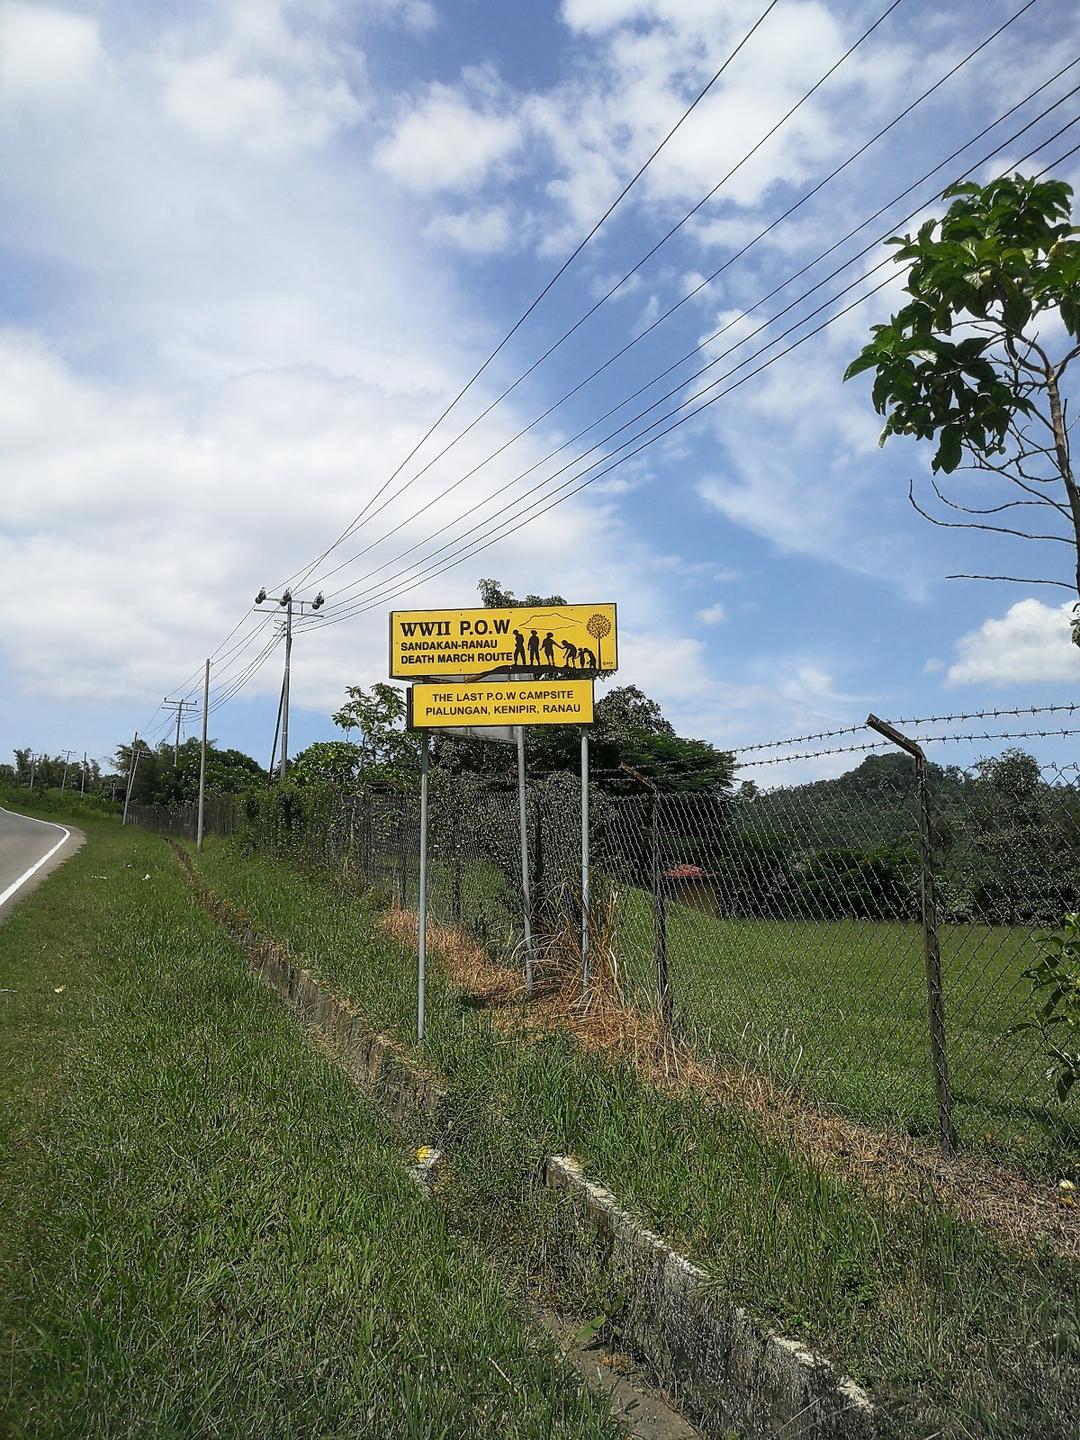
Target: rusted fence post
[(935, 997), (659, 899), (663, 991), (455, 892)]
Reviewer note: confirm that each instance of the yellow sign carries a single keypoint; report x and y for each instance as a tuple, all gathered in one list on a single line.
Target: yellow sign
[(550, 640), (511, 702)]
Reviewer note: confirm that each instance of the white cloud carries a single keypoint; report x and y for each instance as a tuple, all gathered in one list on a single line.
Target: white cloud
[(1028, 644), (712, 615), (224, 103), (47, 55), (449, 140), (477, 232)]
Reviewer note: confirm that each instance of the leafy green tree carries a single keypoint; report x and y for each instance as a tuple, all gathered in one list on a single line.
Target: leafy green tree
[(389, 754), (494, 597), (327, 762), (976, 359), (228, 772)]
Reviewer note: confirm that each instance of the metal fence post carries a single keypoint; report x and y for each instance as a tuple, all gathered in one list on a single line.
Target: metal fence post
[(421, 956), (663, 993), (538, 863), (935, 997), (403, 861), (455, 892)]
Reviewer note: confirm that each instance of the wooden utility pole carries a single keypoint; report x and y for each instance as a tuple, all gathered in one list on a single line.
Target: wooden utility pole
[(285, 688), (131, 774), (179, 706), (287, 602)]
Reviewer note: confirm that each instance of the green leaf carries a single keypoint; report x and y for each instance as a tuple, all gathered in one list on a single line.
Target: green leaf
[(949, 451), (864, 361)]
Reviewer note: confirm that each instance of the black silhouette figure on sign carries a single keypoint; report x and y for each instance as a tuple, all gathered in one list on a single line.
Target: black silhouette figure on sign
[(534, 650), (586, 659), (569, 650), (549, 649), (519, 649)]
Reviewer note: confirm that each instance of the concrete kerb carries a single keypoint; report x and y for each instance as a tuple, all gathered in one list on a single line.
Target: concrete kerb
[(724, 1369)]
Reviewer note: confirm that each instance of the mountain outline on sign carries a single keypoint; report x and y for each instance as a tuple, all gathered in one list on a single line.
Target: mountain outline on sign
[(537, 621)]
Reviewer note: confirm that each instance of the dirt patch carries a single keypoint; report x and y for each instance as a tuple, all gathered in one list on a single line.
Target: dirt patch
[(1026, 1212)]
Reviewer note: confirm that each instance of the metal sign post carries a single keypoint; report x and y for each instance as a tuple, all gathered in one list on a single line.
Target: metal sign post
[(523, 832), (489, 673), (585, 865), (421, 967)]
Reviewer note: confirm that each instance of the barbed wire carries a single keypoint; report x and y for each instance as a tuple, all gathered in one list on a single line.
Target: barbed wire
[(800, 739), (1071, 708), (961, 717), (918, 740)]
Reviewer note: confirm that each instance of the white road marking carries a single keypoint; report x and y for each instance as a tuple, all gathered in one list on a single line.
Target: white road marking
[(6, 895)]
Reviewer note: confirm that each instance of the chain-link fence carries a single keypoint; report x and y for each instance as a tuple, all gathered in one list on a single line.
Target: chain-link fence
[(784, 929)]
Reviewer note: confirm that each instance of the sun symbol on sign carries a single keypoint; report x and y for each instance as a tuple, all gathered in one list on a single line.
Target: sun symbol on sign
[(598, 626)]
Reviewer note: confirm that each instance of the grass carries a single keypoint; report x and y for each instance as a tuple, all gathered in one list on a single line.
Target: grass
[(204, 1231), (956, 1335), (839, 1008)]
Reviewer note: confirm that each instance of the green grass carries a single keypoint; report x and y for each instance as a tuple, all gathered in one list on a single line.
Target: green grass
[(956, 1335), (204, 1230), (839, 1008), (836, 1008)]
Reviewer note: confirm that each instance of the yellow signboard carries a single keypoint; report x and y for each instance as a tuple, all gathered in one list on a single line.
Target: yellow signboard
[(549, 640), (508, 702)]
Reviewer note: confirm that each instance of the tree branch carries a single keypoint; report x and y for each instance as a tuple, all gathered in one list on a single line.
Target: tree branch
[(1013, 580), (974, 525), (993, 509)]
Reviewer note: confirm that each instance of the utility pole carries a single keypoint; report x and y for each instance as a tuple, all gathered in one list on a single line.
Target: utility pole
[(287, 602), (33, 763), (131, 775), (180, 706), (82, 775), (67, 761), (202, 756)]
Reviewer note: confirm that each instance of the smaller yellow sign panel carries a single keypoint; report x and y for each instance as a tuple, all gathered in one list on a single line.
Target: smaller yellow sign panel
[(513, 702)]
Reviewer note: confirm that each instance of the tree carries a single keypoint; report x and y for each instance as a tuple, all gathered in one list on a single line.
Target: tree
[(388, 752), (228, 772), (327, 762), (494, 597), (975, 360)]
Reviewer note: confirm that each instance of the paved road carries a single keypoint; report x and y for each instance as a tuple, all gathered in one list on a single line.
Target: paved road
[(30, 850)]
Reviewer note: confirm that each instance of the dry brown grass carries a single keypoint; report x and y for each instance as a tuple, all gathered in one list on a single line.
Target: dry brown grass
[(1014, 1206)]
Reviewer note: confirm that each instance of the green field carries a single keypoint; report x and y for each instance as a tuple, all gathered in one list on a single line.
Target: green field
[(956, 1335), (836, 1008), (204, 1230), (839, 1008)]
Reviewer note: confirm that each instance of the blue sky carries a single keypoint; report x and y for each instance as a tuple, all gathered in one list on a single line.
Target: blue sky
[(252, 248)]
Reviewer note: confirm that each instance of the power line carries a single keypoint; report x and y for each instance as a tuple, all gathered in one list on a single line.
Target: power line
[(479, 547), (250, 638), (697, 349), (358, 607), (452, 562), (947, 75), (553, 281), (523, 317)]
